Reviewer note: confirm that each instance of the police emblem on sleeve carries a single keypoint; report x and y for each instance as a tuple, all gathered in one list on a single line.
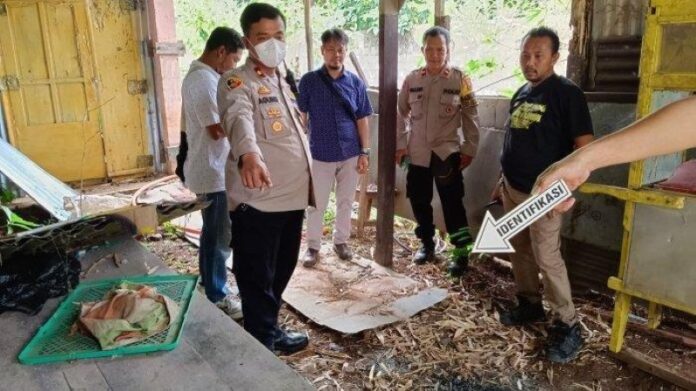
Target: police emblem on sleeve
[(277, 126), (234, 82), (467, 92)]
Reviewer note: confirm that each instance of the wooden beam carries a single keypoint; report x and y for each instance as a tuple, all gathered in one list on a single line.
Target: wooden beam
[(308, 34), (390, 7), (386, 169), (654, 367), (578, 47), (441, 17), (358, 67)]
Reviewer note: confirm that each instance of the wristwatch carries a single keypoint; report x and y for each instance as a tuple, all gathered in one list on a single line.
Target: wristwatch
[(365, 152)]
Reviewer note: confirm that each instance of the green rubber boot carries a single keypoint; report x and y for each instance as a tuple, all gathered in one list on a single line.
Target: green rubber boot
[(459, 261)]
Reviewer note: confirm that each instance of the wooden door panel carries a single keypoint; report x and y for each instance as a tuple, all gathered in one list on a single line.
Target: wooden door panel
[(117, 52), (45, 46)]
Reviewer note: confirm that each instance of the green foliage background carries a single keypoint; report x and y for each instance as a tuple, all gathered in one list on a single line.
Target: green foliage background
[(485, 33)]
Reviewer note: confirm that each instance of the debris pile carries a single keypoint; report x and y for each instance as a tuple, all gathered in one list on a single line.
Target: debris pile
[(457, 344)]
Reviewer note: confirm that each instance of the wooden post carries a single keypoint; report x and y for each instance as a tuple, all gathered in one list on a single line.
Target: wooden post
[(308, 34), (441, 17), (358, 67), (167, 86), (386, 169), (364, 202), (578, 47)]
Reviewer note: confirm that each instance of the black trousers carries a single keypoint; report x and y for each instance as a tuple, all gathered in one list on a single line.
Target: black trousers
[(450, 186), (266, 246)]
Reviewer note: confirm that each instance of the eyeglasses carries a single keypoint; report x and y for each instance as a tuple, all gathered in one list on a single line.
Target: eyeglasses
[(337, 51)]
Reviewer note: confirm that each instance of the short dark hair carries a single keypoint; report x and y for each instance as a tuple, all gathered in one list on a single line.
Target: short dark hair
[(224, 36), (437, 31), (543, 31), (257, 11), (334, 34)]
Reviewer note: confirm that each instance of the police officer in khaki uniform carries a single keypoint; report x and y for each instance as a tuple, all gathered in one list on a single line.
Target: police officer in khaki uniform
[(433, 104), (268, 177)]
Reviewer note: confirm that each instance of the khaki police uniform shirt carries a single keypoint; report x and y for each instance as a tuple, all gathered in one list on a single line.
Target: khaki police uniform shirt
[(431, 110), (259, 115)]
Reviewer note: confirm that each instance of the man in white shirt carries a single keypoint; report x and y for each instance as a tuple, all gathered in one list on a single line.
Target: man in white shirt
[(204, 167)]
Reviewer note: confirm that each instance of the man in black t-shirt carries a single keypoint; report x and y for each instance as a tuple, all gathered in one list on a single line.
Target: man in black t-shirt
[(549, 118)]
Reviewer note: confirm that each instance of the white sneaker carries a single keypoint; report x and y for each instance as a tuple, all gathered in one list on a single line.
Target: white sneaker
[(230, 288), (231, 306)]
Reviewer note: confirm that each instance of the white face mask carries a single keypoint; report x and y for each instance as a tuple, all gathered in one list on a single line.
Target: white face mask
[(271, 52)]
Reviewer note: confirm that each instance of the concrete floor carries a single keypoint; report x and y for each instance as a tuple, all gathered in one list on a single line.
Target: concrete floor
[(215, 353)]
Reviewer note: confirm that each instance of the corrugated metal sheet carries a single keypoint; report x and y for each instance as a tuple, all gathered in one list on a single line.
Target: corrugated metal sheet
[(614, 66), (618, 18), (44, 188), (617, 26), (589, 267)]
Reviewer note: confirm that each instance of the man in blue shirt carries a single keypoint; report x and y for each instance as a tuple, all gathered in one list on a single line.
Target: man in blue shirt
[(335, 107)]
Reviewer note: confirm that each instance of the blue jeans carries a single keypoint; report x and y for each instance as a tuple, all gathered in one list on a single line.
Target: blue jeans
[(214, 246)]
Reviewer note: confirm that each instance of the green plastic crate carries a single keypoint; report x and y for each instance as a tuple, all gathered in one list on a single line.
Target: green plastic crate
[(53, 342)]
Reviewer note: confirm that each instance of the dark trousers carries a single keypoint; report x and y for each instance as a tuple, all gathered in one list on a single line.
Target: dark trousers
[(266, 246), (450, 186)]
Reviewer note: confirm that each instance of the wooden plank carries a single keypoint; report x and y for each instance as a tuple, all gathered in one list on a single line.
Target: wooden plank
[(578, 53), (388, 68), (85, 376), (363, 206), (184, 368), (215, 353), (308, 34), (441, 17), (668, 335), (358, 67), (651, 366)]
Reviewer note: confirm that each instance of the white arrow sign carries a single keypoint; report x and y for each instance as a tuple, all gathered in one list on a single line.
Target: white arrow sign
[(494, 237)]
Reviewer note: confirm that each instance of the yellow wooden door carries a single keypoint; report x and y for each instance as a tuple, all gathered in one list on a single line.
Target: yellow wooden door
[(49, 92), (73, 86), (116, 27), (667, 74)]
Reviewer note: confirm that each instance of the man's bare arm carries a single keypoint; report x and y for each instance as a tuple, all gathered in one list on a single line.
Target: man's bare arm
[(670, 129)]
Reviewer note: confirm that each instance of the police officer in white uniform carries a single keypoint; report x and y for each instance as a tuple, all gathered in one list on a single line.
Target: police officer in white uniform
[(268, 176), (434, 102)]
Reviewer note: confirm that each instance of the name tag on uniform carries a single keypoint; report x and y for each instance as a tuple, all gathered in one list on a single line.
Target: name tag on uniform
[(268, 99)]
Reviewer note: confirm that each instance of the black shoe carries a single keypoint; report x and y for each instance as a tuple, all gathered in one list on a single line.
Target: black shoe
[(424, 255), (289, 342), (525, 312), (565, 342), (343, 251), (459, 264)]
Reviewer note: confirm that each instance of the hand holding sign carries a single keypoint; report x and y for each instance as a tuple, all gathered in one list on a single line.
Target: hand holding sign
[(573, 170), (494, 236)]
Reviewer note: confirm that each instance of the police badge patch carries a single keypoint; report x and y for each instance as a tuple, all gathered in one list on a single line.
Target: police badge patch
[(467, 93), (234, 82)]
